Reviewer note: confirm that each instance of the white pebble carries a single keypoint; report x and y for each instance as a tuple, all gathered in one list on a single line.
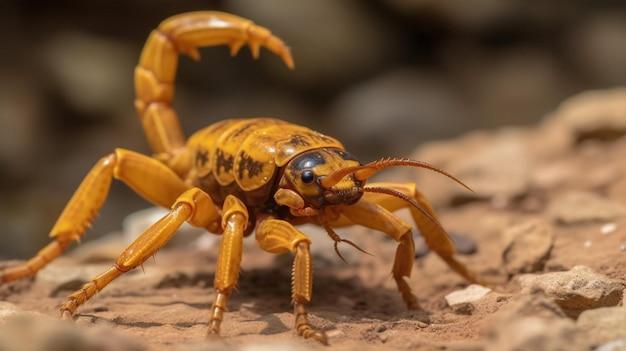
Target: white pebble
[(622, 248), (608, 228), (587, 244)]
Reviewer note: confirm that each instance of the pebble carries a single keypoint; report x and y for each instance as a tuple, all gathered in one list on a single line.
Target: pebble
[(530, 244), (470, 294), (576, 290), (608, 228), (615, 345)]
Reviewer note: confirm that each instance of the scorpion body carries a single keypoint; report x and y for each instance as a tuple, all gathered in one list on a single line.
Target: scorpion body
[(239, 175)]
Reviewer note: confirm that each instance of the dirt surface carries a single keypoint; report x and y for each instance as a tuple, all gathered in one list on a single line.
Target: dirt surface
[(548, 198)]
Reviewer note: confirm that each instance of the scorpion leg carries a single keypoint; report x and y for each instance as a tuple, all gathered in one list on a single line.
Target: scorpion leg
[(234, 222), (277, 236), (434, 234), (374, 216), (193, 206), (148, 177), (156, 71)]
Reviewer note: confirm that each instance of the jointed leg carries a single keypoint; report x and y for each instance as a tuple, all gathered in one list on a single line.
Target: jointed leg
[(434, 234), (374, 216), (234, 221), (193, 206), (278, 236), (148, 177)]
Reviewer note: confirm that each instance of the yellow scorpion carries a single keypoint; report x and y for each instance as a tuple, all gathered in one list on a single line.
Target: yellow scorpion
[(238, 176)]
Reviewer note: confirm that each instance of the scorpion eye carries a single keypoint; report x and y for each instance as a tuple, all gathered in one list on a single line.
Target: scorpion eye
[(307, 176)]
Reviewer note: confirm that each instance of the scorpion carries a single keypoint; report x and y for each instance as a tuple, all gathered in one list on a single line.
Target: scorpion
[(240, 176)]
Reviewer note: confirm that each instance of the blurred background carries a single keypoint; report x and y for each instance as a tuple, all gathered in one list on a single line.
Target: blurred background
[(383, 76)]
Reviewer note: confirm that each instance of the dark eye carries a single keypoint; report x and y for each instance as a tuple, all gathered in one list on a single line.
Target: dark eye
[(307, 176)]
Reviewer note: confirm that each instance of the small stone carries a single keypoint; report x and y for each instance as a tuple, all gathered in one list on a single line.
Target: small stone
[(463, 308), (622, 247), (587, 244), (604, 324), (579, 207), (575, 290), (615, 345), (529, 247), (470, 294), (608, 228)]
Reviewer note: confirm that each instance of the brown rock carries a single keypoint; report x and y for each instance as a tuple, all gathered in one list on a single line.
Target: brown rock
[(604, 324), (595, 114), (500, 170), (30, 333), (575, 290), (528, 248), (533, 333), (578, 207)]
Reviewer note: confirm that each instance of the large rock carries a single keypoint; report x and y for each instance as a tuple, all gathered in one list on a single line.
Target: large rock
[(575, 290), (532, 322), (528, 248), (604, 324), (579, 207), (532, 333), (496, 167), (595, 114)]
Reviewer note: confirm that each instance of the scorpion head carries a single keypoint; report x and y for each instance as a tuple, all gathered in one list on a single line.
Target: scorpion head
[(305, 175), (326, 177)]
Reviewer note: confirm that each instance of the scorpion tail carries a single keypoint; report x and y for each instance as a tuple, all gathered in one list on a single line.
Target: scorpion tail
[(185, 34)]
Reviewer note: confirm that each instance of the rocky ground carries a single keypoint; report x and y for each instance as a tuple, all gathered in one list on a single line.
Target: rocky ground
[(548, 216)]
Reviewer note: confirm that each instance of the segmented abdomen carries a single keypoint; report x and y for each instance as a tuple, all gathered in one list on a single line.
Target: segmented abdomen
[(242, 156)]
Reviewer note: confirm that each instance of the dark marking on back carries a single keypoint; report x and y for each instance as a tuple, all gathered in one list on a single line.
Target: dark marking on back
[(241, 130), (298, 140), (246, 162), (320, 136), (202, 158), (224, 161)]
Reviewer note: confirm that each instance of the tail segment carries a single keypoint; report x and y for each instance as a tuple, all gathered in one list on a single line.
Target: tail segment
[(156, 71)]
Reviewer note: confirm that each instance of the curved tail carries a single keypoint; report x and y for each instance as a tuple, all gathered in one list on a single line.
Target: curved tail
[(156, 71)]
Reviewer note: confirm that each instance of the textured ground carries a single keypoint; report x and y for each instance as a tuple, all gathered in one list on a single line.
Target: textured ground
[(566, 177)]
